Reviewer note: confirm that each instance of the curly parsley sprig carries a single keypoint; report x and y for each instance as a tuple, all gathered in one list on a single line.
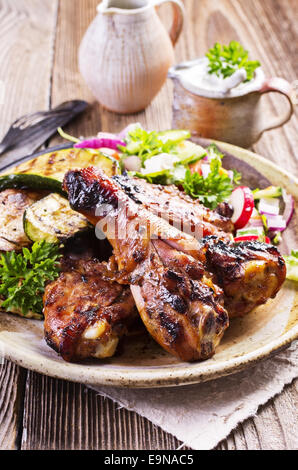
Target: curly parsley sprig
[(216, 186), (23, 277), (225, 60)]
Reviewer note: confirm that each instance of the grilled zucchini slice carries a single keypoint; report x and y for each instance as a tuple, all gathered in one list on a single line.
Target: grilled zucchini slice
[(34, 182), (55, 164), (53, 220)]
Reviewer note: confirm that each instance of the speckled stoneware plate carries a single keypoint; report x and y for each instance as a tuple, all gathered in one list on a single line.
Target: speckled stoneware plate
[(142, 363)]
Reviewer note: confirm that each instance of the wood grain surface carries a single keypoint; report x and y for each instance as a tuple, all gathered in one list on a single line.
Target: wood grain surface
[(38, 69)]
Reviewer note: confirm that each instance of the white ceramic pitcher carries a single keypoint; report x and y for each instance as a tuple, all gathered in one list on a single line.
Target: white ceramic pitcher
[(126, 52)]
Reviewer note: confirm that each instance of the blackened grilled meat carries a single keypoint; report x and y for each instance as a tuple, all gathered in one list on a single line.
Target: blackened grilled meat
[(177, 208), (249, 272), (86, 311), (176, 298)]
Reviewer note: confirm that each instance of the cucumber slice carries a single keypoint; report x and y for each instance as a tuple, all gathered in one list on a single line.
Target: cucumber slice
[(174, 135), (52, 219), (189, 152), (271, 191), (250, 231), (31, 181)]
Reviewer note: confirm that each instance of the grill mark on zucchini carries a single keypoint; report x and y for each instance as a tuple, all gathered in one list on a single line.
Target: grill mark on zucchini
[(53, 220), (55, 164)]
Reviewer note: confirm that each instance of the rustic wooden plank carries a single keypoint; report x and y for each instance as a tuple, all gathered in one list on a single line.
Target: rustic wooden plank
[(70, 416), (25, 57), (63, 415), (12, 380)]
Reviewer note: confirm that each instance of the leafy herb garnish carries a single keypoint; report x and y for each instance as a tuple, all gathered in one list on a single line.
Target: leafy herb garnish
[(23, 276), (211, 190), (225, 60)]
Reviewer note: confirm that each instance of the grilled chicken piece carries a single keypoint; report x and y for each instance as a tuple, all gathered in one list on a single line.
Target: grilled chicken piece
[(177, 300), (127, 226), (249, 272), (177, 208), (179, 304), (86, 311), (13, 203)]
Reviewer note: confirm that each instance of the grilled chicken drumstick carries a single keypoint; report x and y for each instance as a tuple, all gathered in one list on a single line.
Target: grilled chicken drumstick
[(86, 312), (177, 208), (176, 298), (249, 272)]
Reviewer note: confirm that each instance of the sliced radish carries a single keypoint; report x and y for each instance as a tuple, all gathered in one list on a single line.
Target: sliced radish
[(246, 238), (242, 201), (269, 205), (249, 238)]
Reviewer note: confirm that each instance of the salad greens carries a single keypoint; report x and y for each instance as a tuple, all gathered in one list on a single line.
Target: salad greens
[(23, 276), (211, 190), (168, 157), (226, 60), (147, 144), (292, 265)]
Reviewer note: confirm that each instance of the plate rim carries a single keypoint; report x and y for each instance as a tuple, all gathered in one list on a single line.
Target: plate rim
[(151, 377)]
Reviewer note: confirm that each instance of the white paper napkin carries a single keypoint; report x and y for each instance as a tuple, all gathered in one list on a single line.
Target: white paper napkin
[(202, 415)]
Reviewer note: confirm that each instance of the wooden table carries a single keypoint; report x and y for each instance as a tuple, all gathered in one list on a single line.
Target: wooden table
[(38, 66)]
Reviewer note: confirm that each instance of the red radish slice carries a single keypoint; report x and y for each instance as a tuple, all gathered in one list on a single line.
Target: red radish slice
[(249, 238), (242, 201), (246, 238)]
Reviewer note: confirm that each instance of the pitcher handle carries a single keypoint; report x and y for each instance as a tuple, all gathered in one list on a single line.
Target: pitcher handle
[(178, 20), (283, 87)]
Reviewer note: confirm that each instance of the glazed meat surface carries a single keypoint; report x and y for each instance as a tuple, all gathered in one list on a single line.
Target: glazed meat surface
[(86, 311), (249, 272), (177, 208), (176, 298), (179, 304)]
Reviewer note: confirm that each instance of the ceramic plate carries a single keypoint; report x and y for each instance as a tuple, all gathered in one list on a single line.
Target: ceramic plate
[(142, 363)]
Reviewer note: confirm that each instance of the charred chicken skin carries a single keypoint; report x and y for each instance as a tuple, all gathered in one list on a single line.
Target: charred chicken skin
[(178, 302), (177, 208), (249, 272), (86, 311)]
